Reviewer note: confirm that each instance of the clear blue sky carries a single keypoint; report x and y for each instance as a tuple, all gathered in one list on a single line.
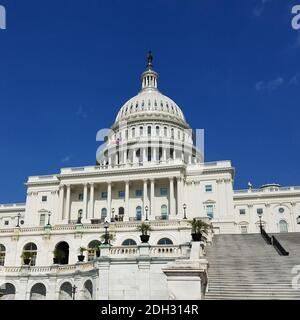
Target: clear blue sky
[(67, 66)]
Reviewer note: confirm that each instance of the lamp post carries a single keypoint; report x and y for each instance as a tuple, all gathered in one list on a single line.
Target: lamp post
[(106, 226), (260, 224), (49, 215), (74, 291), (184, 210), (113, 214), (146, 209), (18, 224)]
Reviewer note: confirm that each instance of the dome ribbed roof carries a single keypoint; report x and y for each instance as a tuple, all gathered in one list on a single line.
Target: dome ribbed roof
[(150, 100)]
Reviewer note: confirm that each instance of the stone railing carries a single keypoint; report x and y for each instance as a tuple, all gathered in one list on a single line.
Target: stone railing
[(114, 226), (48, 269), (12, 205), (128, 251), (165, 250), (267, 190), (154, 251)]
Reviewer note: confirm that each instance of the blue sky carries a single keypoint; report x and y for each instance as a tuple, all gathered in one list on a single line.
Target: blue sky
[(66, 67)]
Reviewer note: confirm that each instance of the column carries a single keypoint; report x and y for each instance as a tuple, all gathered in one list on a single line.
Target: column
[(126, 217), (179, 197), (68, 204), (85, 200), (125, 156), (293, 218), (144, 155), (164, 154), (171, 198), (61, 201), (92, 200), (251, 225), (109, 200), (152, 195), (145, 195), (154, 157)]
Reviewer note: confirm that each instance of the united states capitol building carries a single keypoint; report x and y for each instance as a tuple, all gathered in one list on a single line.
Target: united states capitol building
[(149, 170)]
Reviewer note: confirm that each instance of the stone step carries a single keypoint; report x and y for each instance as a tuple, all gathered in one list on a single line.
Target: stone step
[(246, 267)]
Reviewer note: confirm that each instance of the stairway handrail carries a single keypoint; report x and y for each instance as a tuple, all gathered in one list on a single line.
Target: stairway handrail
[(265, 235), (279, 247)]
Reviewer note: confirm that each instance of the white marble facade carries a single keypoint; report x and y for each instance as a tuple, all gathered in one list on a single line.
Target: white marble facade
[(149, 169)]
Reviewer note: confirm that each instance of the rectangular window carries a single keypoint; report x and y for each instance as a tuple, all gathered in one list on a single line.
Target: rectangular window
[(259, 211), (210, 211), (6, 222), (163, 191), (80, 197), (42, 220), (2, 258), (122, 194), (44, 198), (244, 229), (138, 193), (242, 211), (208, 188), (104, 195)]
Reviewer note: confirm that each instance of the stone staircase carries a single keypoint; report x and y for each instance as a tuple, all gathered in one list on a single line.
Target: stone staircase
[(246, 267)]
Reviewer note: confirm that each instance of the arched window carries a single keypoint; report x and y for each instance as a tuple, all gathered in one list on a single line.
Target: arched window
[(133, 132), (157, 130), (172, 133), (129, 242), (79, 218), (30, 252), (138, 213), (7, 291), (141, 131), (165, 131), (164, 241), (93, 250), (38, 292), (149, 130), (61, 252), (121, 213), (283, 226), (88, 290), (164, 212), (103, 214), (65, 291), (2, 254)]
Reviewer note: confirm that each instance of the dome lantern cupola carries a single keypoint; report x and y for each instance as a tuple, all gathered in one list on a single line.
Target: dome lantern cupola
[(149, 77)]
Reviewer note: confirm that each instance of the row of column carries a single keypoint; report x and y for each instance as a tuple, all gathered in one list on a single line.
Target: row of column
[(122, 156), (89, 189)]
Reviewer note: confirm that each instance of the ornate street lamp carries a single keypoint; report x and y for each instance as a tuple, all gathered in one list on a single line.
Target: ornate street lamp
[(74, 291), (113, 214), (18, 224), (184, 210), (146, 209), (106, 226), (260, 224)]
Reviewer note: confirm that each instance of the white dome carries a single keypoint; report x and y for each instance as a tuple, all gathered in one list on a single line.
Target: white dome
[(150, 101)]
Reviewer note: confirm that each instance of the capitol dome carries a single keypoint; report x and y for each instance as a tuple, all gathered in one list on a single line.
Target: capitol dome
[(150, 101)]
